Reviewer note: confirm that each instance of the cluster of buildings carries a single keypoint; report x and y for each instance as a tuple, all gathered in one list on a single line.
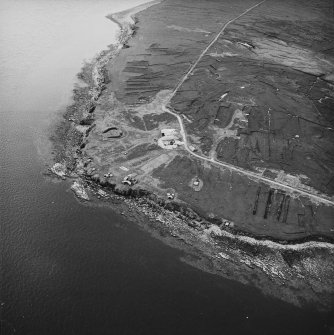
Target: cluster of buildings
[(170, 139)]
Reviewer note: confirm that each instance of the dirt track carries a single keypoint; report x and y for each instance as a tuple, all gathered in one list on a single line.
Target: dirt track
[(234, 87), (318, 198), (273, 183), (247, 88)]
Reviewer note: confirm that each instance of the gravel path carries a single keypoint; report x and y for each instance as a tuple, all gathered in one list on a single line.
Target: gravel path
[(318, 198)]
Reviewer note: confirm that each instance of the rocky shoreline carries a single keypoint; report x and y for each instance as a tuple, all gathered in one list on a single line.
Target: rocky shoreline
[(298, 271)]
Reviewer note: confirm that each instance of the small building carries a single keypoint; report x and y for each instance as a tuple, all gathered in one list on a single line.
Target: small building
[(169, 139), (130, 179), (196, 184), (168, 142), (170, 196), (192, 148), (169, 132)]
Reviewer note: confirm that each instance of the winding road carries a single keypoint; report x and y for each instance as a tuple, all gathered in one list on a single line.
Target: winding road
[(315, 197)]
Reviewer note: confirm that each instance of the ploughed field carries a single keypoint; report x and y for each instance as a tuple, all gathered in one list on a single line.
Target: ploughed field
[(261, 99)]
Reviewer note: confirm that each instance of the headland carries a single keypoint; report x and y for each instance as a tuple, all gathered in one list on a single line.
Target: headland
[(214, 120)]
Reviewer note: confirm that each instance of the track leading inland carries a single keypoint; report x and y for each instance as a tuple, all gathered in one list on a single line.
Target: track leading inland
[(311, 196)]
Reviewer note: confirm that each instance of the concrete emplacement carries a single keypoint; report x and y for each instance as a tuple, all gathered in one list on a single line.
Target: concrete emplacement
[(196, 184), (112, 132)]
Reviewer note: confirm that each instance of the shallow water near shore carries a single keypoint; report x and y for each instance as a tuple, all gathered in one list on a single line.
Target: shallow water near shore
[(67, 268)]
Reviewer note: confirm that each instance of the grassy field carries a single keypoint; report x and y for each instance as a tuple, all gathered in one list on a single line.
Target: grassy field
[(261, 99)]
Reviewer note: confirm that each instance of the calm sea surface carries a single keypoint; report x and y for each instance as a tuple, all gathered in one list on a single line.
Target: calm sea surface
[(71, 269)]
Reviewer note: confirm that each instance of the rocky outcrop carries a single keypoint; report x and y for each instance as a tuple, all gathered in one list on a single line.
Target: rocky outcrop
[(79, 190), (59, 170)]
